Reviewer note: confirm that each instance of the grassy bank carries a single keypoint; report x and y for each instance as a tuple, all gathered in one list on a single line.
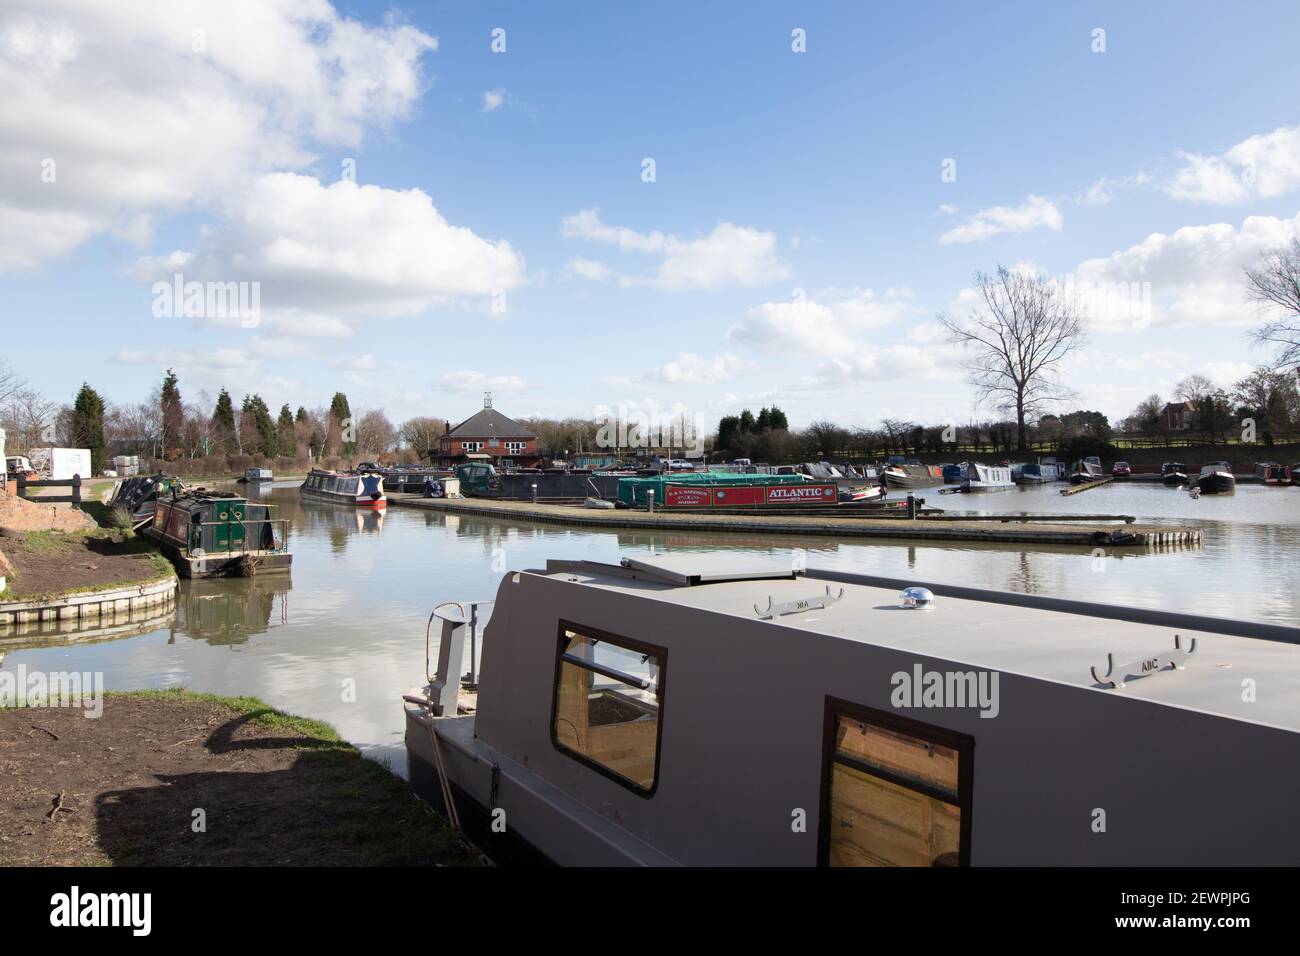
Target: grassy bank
[(52, 564), (176, 778)]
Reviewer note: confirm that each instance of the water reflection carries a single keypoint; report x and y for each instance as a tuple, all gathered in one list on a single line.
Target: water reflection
[(231, 610)]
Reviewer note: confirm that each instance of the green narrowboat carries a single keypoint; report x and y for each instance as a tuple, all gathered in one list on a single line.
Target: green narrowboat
[(211, 533)]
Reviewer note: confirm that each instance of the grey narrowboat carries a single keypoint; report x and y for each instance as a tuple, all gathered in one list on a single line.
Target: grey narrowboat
[(707, 709)]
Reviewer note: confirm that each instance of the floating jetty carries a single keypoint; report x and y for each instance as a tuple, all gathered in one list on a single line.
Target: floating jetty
[(1085, 485), (952, 528)]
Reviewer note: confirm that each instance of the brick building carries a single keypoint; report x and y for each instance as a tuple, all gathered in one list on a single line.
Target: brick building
[(488, 436)]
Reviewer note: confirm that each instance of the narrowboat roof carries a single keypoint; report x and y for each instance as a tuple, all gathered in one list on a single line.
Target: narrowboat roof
[(1048, 638)]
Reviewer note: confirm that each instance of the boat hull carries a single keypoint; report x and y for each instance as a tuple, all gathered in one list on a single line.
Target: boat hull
[(910, 476), (1218, 483)]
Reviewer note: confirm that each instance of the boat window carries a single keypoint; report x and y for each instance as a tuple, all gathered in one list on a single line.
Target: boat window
[(608, 698), (897, 792)]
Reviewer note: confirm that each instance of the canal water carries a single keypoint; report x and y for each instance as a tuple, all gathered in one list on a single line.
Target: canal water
[(343, 637)]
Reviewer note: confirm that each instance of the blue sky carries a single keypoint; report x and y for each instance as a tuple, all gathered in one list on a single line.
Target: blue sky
[(794, 246)]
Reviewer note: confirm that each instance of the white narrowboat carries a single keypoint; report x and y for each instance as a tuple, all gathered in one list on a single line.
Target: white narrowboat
[(981, 477)]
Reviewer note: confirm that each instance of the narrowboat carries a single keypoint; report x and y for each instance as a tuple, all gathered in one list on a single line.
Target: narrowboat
[(715, 710), (853, 484), (1216, 478), (1173, 473), (210, 533), (910, 474), (482, 480), (255, 475), (1294, 473), (980, 477), (358, 489), (1038, 473), (136, 497), (1271, 473)]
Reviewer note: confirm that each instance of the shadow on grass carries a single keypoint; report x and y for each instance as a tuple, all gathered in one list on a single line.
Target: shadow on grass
[(288, 800)]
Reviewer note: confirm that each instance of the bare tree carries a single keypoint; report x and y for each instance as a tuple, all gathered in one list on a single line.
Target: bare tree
[(1274, 283), (1193, 388), (422, 434), (375, 433), (29, 419), (1016, 342)]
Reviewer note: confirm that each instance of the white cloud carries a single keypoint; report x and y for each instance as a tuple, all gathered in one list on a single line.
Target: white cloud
[(587, 225), (1262, 166), (468, 380), (1033, 213), (1102, 192), (729, 255), (158, 106), (871, 364), (1195, 273), (364, 362), (833, 323), (588, 269), (1099, 194), (493, 100), (690, 369), (328, 251), (843, 328)]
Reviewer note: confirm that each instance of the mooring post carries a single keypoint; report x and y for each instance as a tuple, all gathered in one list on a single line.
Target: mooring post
[(534, 492), (650, 499), (444, 691), (911, 506)]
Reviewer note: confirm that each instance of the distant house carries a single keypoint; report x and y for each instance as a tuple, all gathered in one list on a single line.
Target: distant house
[(1178, 416), (488, 436)]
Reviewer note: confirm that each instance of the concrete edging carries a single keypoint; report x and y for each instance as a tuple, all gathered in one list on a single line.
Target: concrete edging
[(1150, 536), (91, 606)]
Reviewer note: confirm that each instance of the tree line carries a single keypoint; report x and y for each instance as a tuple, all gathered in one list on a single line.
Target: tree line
[(167, 429)]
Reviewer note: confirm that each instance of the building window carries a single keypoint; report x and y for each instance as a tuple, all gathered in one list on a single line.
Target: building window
[(895, 792), (469, 446), (494, 442), (515, 447), (607, 705)]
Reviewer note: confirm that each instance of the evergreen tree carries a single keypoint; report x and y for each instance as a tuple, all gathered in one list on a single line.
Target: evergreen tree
[(264, 439), (87, 427), (776, 420), (286, 437), (223, 422), (728, 428), (342, 428), (173, 414), (747, 423)]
